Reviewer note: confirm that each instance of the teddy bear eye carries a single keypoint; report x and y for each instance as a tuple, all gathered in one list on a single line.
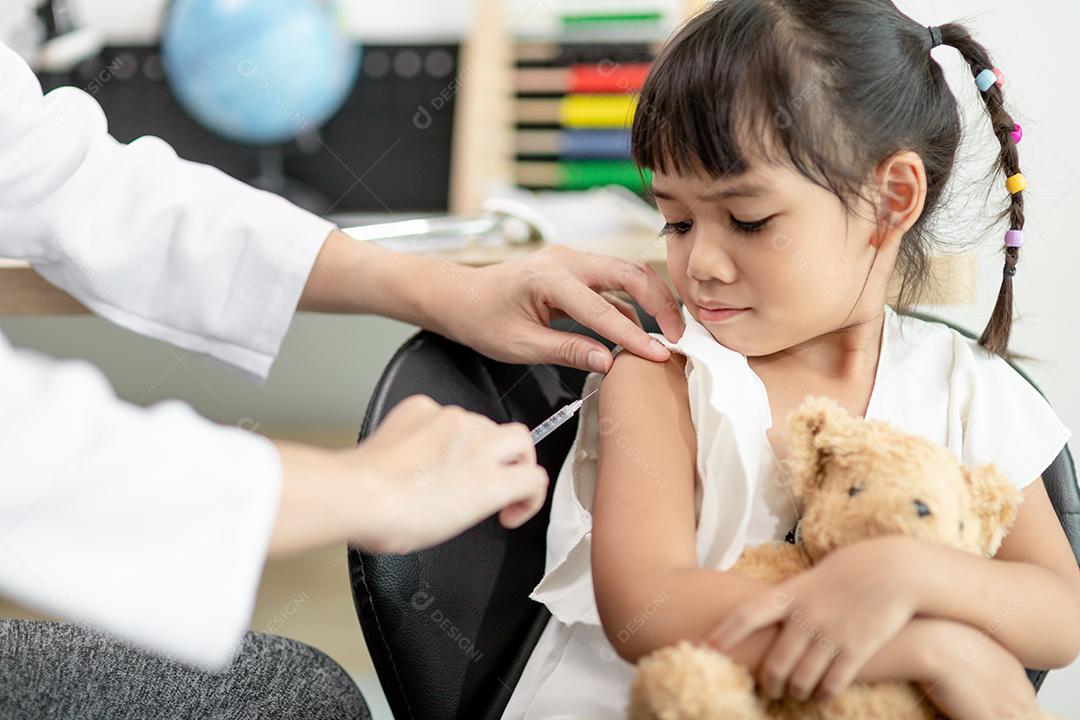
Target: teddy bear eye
[(921, 508), (854, 490)]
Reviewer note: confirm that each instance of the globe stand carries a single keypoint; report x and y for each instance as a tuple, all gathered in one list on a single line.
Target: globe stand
[(272, 177)]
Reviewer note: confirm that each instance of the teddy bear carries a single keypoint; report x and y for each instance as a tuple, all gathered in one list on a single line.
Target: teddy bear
[(916, 487)]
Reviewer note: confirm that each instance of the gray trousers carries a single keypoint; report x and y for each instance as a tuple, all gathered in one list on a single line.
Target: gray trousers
[(55, 670)]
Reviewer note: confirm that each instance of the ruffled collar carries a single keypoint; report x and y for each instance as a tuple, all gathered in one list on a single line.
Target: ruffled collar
[(697, 340)]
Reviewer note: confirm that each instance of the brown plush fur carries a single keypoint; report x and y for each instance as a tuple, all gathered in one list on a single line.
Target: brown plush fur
[(830, 452)]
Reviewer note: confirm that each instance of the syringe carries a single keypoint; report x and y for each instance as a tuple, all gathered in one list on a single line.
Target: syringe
[(549, 426)]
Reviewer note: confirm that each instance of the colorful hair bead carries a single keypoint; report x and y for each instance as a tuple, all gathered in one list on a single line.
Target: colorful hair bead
[(1017, 134), (985, 79), (1016, 183), (1014, 239), (999, 77)]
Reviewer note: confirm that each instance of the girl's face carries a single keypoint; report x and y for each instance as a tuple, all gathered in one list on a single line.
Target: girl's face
[(773, 245)]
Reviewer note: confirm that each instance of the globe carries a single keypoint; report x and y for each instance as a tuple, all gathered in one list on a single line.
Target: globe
[(258, 71)]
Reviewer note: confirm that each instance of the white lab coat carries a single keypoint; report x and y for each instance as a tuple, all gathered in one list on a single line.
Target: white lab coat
[(151, 524)]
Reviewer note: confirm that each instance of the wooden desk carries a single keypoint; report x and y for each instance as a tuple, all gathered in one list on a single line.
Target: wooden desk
[(24, 292)]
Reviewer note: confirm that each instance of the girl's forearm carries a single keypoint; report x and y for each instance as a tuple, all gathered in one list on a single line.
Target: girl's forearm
[(662, 608), (687, 604), (1029, 610)]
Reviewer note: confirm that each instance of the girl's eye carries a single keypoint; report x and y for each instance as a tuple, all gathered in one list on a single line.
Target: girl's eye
[(748, 228), (679, 228)]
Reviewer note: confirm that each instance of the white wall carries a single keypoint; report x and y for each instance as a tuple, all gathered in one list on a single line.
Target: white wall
[(1033, 47)]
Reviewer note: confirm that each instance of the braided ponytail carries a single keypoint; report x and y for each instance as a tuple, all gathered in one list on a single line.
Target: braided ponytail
[(995, 337)]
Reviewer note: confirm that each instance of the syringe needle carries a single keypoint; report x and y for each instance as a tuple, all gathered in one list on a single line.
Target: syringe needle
[(559, 417)]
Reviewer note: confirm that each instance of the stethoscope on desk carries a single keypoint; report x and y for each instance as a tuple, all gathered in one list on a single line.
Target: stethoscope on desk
[(517, 223)]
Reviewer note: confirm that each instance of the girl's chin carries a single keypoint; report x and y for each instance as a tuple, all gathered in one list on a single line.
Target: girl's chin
[(737, 338), (727, 338)]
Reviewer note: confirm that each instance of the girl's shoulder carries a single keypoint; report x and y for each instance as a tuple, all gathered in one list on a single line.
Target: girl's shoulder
[(1002, 417), (934, 340), (633, 371), (635, 387)]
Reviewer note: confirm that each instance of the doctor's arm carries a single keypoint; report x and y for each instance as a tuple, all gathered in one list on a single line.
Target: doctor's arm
[(502, 310), (154, 523), (182, 252)]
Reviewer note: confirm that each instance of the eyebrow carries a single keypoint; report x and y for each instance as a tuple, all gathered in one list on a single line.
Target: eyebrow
[(748, 190)]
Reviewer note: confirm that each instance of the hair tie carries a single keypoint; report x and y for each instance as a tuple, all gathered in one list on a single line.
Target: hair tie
[(986, 79), (1017, 134), (1009, 271), (1014, 239), (1015, 183), (990, 77), (935, 36)]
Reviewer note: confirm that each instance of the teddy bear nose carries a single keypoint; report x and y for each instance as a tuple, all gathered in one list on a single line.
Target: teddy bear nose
[(921, 508)]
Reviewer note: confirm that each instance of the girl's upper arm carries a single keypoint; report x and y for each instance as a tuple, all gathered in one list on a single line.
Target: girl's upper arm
[(643, 506), (1036, 537)]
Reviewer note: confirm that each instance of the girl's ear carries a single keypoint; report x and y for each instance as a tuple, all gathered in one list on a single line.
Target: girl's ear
[(901, 195), (814, 430), (994, 502)]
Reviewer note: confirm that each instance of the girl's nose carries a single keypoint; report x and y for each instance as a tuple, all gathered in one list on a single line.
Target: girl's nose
[(708, 261)]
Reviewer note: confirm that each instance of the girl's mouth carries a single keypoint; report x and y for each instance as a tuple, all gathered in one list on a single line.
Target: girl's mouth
[(720, 314)]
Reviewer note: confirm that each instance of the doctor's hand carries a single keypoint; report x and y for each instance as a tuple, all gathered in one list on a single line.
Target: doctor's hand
[(426, 474), (513, 304), (503, 311)]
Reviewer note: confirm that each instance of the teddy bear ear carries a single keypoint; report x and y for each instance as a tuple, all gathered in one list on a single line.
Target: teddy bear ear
[(814, 430), (995, 502)]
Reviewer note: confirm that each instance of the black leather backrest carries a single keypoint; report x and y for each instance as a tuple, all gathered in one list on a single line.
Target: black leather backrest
[(449, 629)]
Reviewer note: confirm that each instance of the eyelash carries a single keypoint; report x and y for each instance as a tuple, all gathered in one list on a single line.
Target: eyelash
[(746, 228)]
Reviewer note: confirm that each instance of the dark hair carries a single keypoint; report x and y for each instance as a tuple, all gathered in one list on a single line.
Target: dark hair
[(832, 87)]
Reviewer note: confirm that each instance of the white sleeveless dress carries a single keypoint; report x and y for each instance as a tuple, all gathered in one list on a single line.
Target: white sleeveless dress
[(930, 381)]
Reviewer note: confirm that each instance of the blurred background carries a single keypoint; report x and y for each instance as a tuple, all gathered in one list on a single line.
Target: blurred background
[(368, 111)]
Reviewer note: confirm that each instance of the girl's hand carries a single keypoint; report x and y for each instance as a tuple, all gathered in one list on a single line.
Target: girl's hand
[(507, 311), (973, 677), (833, 617)]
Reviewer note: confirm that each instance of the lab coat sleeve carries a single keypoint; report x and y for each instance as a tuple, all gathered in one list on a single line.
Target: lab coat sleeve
[(149, 523), (165, 247)]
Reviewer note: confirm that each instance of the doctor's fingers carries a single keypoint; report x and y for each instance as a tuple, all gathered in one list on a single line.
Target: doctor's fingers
[(409, 413), (641, 282), (624, 307), (504, 444), (520, 491), (577, 299), (418, 413)]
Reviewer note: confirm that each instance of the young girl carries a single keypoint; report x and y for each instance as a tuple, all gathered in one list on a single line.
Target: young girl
[(798, 150)]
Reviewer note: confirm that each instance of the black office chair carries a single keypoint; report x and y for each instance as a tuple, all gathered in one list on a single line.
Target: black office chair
[(450, 628)]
